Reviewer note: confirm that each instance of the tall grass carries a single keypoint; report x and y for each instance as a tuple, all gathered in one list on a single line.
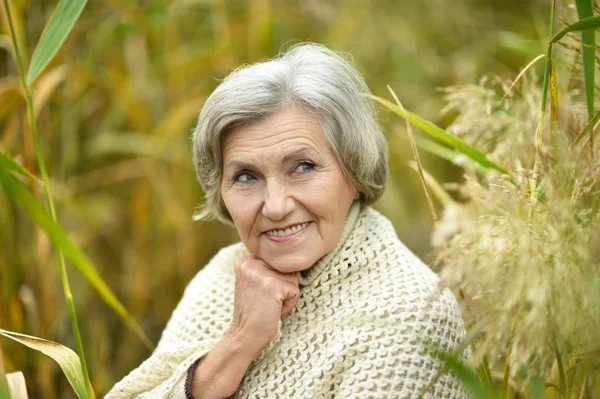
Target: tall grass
[(522, 247), (48, 194)]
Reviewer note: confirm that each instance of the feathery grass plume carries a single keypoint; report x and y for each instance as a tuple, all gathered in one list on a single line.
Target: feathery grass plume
[(530, 276), (500, 129)]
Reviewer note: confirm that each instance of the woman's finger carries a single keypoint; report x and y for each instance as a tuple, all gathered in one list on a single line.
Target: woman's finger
[(292, 297)]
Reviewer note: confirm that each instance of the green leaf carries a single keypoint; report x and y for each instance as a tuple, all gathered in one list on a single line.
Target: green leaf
[(582, 24), (469, 378), (445, 137), (4, 390), (539, 190), (36, 212), (65, 357), (562, 383), (484, 372), (7, 163), (588, 37), (4, 394), (536, 387), (58, 27), (447, 154), (588, 128), (471, 335), (471, 338)]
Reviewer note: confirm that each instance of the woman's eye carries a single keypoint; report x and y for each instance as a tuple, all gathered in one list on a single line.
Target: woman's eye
[(305, 167), (244, 178)]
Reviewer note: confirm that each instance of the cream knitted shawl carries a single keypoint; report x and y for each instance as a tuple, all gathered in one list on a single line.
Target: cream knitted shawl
[(367, 319)]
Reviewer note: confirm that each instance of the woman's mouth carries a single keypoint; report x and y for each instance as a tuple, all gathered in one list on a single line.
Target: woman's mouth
[(287, 234)]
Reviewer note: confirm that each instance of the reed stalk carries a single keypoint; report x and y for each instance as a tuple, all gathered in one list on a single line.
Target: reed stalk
[(413, 146), (49, 201), (506, 376), (540, 130), (561, 372)]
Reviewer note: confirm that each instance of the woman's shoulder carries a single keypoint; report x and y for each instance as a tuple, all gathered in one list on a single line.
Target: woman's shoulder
[(389, 287), (393, 273), (380, 242)]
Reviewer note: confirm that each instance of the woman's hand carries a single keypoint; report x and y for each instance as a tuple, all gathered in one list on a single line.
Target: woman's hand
[(263, 296)]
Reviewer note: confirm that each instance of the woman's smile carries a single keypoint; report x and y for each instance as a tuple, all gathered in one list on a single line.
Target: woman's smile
[(288, 235)]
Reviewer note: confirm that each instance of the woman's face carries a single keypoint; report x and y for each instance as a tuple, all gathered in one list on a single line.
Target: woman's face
[(285, 189)]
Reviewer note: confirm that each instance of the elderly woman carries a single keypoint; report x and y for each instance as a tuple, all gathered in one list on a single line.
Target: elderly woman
[(319, 299)]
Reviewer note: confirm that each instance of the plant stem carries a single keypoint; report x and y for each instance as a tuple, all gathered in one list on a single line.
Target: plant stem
[(50, 203), (506, 377), (540, 130), (561, 371), (413, 146), (595, 204)]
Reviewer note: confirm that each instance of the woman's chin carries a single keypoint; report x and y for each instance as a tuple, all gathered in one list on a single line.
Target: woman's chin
[(290, 256), (289, 263)]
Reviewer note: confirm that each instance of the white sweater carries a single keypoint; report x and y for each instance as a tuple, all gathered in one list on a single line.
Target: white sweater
[(366, 325)]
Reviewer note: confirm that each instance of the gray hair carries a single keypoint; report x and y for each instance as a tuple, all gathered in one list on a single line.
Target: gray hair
[(309, 77)]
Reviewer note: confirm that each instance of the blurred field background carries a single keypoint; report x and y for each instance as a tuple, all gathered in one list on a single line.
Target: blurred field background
[(115, 110)]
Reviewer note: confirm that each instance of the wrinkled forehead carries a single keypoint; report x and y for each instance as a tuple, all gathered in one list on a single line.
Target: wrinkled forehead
[(287, 131)]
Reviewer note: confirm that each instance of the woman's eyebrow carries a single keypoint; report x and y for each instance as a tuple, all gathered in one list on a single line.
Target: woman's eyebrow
[(237, 165), (295, 153)]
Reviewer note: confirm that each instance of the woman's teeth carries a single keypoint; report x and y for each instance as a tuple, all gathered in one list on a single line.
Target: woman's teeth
[(288, 231)]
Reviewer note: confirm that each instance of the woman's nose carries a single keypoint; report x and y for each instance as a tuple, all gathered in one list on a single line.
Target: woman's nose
[(278, 203)]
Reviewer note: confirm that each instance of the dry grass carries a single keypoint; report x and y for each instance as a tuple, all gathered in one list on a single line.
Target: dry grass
[(532, 275)]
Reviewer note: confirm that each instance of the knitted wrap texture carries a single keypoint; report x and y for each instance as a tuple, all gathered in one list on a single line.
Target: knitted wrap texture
[(368, 324)]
